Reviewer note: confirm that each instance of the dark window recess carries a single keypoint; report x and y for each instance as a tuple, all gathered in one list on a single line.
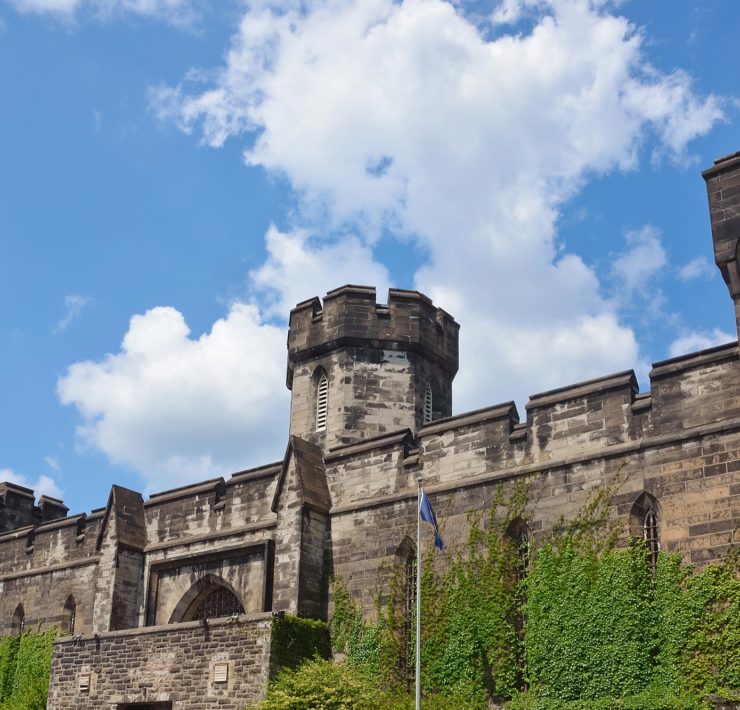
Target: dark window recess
[(220, 602), (70, 615), (407, 642), (650, 533)]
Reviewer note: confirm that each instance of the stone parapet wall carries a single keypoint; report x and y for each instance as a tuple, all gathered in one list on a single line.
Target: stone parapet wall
[(174, 663)]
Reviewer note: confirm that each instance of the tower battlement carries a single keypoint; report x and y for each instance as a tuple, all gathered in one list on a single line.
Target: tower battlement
[(351, 317)]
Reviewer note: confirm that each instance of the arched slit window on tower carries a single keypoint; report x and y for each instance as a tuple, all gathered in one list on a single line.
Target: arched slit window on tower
[(70, 615), (651, 537), (19, 620), (322, 402), (428, 403)]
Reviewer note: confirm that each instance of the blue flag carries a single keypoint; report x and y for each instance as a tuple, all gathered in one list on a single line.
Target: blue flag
[(427, 515)]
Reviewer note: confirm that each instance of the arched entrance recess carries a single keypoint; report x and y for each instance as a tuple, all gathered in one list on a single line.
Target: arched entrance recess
[(210, 597)]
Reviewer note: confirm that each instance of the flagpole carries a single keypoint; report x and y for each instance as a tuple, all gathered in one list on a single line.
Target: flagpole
[(418, 596)]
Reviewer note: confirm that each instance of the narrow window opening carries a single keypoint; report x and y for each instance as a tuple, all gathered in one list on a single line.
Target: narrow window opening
[(19, 620), (428, 404), (650, 535), (407, 642), (322, 402), (70, 615), (523, 551)]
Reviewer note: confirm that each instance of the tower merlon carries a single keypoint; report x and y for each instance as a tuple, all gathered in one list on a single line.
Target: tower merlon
[(351, 317)]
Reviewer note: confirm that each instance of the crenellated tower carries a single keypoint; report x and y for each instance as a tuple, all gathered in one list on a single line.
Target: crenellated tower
[(723, 189), (358, 369)]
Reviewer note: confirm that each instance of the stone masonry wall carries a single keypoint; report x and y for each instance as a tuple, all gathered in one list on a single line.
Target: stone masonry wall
[(165, 664), (61, 562), (679, 443)]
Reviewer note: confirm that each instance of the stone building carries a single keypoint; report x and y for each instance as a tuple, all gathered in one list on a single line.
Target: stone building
[(168, 602)]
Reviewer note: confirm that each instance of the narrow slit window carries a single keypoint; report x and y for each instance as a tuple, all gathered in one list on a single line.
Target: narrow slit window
[(70, 615), (652, 540), (409, 639), (322, 403), (428, 404), (19, 620)]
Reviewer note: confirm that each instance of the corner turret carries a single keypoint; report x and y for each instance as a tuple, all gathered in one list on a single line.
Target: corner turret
[(723, 190), (385, 366)]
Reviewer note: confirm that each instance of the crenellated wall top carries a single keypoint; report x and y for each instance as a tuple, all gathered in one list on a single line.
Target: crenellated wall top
[(351, 317)]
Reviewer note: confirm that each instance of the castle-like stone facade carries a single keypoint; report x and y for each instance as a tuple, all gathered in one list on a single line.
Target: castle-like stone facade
[(167, 602)]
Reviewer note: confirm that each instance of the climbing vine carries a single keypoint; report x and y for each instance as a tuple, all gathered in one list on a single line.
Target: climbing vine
[(25, 666), (587, 627)]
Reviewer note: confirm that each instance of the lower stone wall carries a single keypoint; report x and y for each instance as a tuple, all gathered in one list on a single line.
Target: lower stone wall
[(174, 663)]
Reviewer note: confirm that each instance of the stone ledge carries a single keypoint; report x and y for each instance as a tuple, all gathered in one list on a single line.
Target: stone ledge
[(167, 628), (207, 537), (51, 568)]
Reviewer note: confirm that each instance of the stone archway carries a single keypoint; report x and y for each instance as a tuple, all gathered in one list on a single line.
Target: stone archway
[(210, 597)]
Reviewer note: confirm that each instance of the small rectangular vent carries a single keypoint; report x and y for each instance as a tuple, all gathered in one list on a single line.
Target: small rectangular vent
[(84, 684), (221, 673)]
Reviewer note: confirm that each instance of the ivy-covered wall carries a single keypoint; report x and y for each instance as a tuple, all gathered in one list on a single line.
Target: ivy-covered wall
[(586, 625), (25, 665)]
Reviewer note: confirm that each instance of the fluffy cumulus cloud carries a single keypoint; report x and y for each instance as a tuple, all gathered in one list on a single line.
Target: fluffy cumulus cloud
[(179, 12), (178, 408), (469, 138), (418, 121), (42, 485)]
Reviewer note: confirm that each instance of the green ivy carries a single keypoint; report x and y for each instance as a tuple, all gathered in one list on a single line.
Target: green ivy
[(8, 654), (589, 627), (295, 639), (25, 667)]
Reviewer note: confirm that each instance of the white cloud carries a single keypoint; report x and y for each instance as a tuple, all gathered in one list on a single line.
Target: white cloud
[(73, 304), (178, 408), (636, 266), (178, 12), (410, 119), (53, 463), (298, 268), (697, 268), (401, 118), (698, 340), (43, 485)]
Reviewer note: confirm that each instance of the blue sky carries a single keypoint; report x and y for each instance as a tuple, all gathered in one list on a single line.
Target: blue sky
[(175, 174)]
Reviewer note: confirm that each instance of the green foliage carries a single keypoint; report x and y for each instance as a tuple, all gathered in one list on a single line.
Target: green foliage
[(590, 623), (588, 628), (322, 685), (25, 666), (644, 701), (295, 639), (8, 654), (471, 609)]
